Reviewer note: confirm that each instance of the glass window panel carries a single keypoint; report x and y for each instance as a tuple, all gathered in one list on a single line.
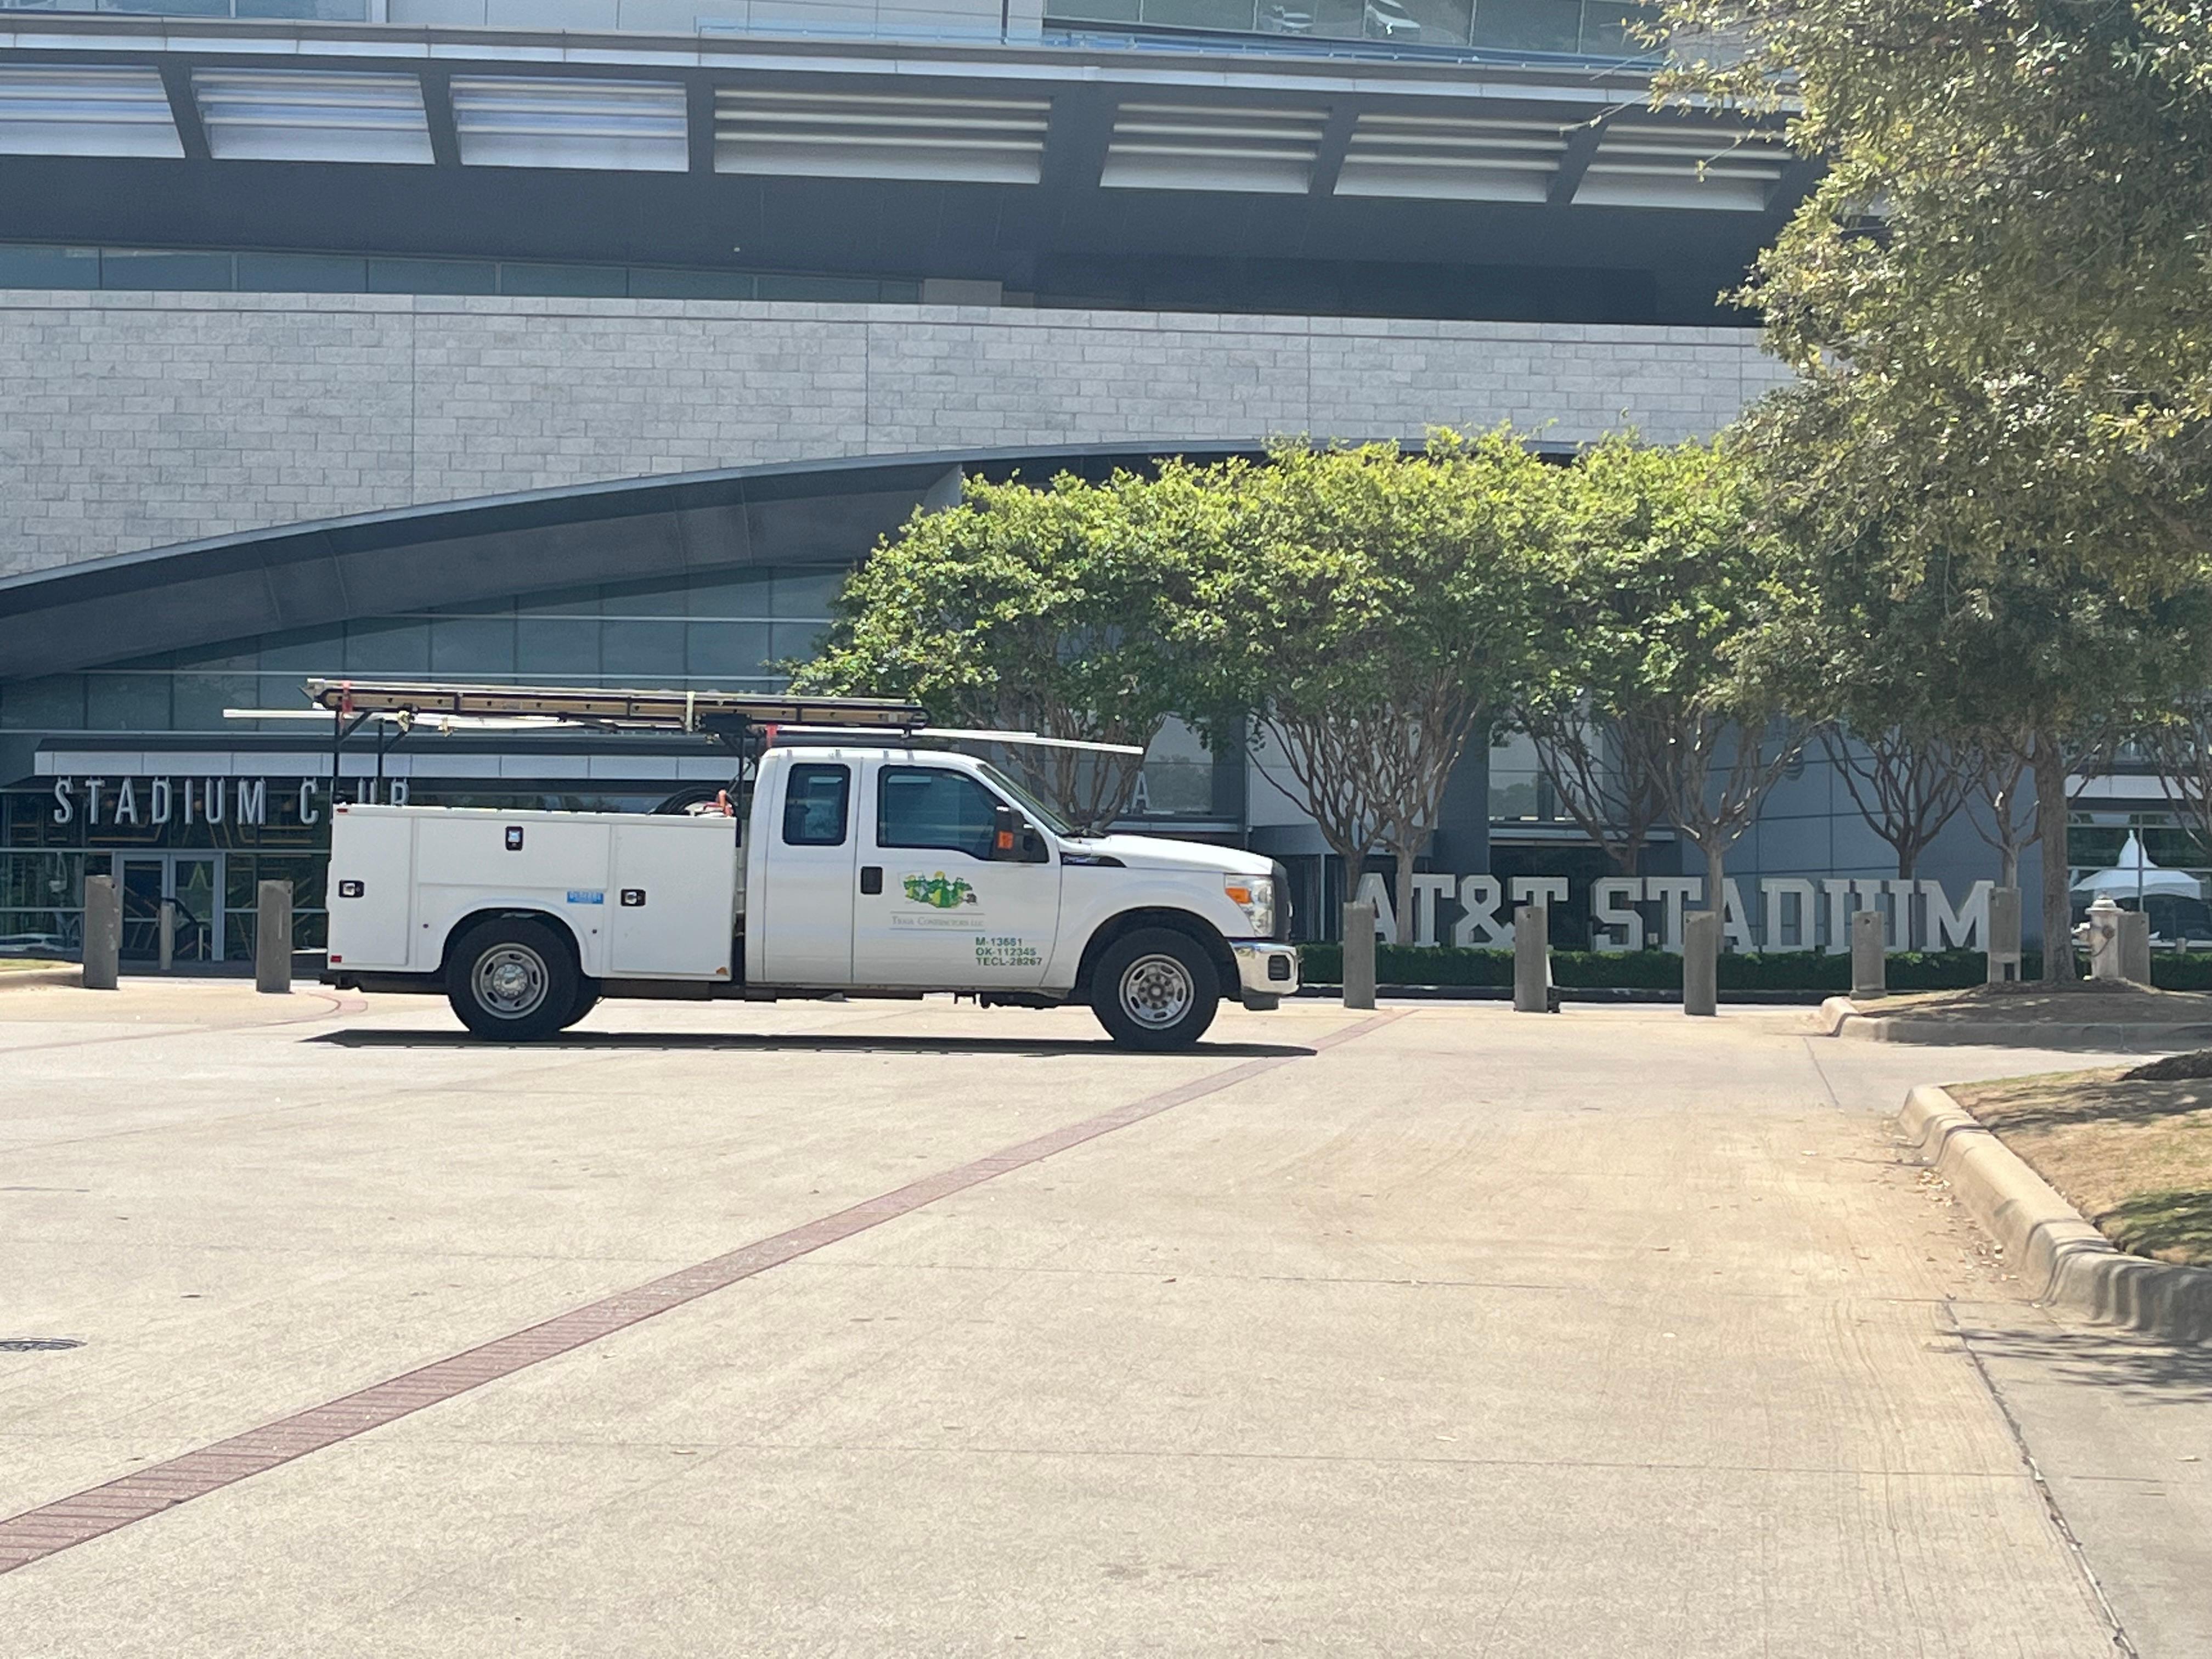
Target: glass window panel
[(1093, 11), (1442, 23), (49, 267), (729, 650), (472, 647), (648, 284), (641, 653), (1609, 26), (807, 591), (299, 654), (746, 597), (127, 702), (54, 704), (560, 602), (601, 282), (317, 11), (1526, 25), (432, 276), (655, 599), (200, 699), (1199, 13), (238, 879), (814, 805), (132, 268), (897, 293), (558, 648), (1335, 18), (387, 648), (796, 643), (300, 273), (858, 290), (918, 807)]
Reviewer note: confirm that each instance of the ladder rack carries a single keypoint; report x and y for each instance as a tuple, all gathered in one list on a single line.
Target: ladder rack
[(726, 714)]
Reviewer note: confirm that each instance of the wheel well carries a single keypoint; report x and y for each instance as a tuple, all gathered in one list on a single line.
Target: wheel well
[(470, 922), (1207, 936)]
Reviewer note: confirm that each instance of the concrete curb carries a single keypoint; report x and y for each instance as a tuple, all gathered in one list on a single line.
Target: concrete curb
[(2060, 1257), (1839, 1017), (42, 976)]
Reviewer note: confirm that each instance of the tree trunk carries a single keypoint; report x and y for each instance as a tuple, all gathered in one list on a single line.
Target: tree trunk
[(1716, 874), (1405, 906), (2050, 766)]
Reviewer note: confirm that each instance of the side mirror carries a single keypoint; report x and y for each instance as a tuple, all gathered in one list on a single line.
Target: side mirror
[(1006, 827)]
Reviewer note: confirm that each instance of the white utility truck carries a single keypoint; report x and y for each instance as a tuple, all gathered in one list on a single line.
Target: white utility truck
[(860, 856)]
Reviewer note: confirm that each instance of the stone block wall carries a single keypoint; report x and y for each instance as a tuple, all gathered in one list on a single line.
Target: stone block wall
[(129, 421)]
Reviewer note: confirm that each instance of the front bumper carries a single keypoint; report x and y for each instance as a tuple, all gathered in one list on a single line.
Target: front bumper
[(1265, 972)]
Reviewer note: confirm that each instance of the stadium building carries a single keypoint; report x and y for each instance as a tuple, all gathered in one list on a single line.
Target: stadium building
[(593, 341)]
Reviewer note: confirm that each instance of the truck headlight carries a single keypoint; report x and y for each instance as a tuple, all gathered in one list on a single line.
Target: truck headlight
[(1255, 897)]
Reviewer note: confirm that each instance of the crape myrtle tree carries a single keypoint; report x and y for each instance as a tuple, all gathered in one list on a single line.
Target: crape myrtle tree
[(1908, 780), (1645, 703), (2030, 656), (1029, 609), (1371, 610)]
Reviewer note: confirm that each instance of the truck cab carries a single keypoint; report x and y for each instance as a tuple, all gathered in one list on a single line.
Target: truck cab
[(869, 869)]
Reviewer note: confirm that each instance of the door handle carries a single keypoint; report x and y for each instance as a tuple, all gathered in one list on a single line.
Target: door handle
[(871, 878)]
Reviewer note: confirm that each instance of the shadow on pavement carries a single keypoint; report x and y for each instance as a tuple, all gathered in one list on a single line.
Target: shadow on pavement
[(770, 1040), (2136, 1368)]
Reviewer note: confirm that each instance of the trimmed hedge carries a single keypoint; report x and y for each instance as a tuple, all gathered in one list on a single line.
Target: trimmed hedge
[(1322, 963)]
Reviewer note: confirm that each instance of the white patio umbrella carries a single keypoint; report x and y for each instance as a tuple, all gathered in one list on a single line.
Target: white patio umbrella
[(2136, 876)]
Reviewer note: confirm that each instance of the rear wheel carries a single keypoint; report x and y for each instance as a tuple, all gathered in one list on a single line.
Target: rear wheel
[(1155, 989), (514, 980)]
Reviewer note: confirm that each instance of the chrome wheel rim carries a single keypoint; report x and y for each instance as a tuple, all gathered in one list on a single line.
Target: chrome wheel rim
[(1156, 991), (510, 980)]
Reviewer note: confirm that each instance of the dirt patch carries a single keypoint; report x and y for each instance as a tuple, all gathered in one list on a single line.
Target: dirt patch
[(29, 965), (2133, 1156), (2100, 1001)]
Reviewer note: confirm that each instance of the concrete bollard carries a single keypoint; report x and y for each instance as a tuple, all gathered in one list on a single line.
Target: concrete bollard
[(1360, 955), (103, 933), (1870, 958), (1532, 960), (165, 935), (2003, 949), (272, 939), (2135, 947), (1701, 963)]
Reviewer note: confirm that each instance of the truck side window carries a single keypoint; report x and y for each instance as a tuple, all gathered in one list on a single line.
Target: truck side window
[(932, 806), (814, 801)]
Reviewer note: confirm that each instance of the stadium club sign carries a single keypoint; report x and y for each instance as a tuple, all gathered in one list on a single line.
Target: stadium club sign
[(150, 803), (1644, 912)]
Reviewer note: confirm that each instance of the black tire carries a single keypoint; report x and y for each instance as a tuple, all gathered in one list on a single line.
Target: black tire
[(512, 981), (1155, 989), (588, 997)]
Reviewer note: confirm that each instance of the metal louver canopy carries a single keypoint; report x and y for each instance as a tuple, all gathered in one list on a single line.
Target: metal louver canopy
[(646, 711)]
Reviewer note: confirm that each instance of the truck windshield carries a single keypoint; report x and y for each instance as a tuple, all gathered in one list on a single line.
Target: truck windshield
[(1035, 808)]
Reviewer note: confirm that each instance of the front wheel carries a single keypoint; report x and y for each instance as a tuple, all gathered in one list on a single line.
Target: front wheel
[(513, 981), (1155, 989)]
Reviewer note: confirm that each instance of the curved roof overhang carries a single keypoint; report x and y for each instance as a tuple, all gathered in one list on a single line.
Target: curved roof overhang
[(310, 575)]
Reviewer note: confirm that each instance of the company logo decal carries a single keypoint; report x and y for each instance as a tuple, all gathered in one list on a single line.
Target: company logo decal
[(936, 890)]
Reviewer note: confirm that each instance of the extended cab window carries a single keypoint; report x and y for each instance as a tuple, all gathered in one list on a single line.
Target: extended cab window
[(814, 804), (930, 806)]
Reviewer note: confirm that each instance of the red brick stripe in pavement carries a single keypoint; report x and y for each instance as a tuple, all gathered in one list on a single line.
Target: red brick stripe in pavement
[(54, 1526)]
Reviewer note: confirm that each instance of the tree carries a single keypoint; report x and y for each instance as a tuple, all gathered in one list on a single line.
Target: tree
[(2040, 652), (1371, 609), (1907, 782), (1025, 609), (2005, 262), (1645, 703)]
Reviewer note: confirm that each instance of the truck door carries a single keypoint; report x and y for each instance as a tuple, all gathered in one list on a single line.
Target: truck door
[(806, 914), (933, 907)]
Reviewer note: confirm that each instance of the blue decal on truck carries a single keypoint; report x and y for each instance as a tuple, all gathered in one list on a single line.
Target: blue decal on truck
[(580, 895)]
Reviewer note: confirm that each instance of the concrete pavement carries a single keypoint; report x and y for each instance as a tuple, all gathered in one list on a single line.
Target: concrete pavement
[(1601, 1333)]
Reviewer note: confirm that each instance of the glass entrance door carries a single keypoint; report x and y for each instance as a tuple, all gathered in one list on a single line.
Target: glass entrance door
[(192, 883)]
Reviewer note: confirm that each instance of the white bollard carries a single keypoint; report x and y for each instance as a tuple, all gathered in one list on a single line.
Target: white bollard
[(1360, 955), (1701, 963), (1532, 960), (1869, 961)]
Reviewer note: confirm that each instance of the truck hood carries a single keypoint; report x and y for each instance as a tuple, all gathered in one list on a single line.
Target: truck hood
[(1158, 853)]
